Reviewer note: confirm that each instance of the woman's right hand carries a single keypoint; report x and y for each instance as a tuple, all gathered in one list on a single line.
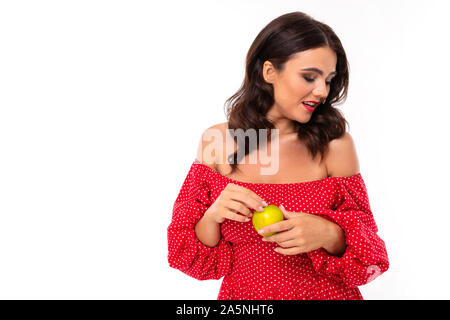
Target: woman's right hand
[(235, 203)]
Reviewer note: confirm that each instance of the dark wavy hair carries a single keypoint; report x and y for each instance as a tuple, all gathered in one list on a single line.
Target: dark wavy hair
[(278, 42)]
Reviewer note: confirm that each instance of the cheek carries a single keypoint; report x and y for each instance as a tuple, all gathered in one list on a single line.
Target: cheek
[(297, 85), (291, 91), (298, 89)]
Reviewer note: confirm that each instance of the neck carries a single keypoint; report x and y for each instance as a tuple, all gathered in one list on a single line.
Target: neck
[(284, 125)]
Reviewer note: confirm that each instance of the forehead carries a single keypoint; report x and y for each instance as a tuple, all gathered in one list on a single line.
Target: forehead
[(323, 58)]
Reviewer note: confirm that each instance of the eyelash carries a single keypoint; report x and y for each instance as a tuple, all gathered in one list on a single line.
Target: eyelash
[(312, 80)]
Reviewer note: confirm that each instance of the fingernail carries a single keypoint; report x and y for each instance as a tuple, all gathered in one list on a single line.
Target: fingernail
[(261, 231), (264, 204), (247, 220), (260, 209)]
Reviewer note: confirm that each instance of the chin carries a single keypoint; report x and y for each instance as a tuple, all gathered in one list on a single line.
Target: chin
[(303, 119)]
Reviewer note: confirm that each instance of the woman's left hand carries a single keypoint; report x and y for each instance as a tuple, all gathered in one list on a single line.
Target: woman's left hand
[(302, 232)]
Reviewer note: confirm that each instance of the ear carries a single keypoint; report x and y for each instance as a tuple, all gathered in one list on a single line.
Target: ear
[(269, 72)]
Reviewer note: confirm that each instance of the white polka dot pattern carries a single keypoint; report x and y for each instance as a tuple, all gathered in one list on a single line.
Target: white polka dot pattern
[(250, 267)]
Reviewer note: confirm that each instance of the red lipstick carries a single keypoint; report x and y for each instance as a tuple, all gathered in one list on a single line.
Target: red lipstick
[(310, 107)]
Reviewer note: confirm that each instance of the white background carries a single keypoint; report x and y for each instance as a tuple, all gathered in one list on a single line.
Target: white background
[(102, 105)]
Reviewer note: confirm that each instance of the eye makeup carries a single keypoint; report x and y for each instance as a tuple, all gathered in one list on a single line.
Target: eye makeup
[(310, 80)]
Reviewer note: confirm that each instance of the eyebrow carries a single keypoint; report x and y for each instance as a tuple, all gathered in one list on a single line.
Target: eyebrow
[(318, 71)]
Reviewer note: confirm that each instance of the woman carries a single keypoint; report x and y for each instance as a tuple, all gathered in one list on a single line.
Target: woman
[(327, 245)]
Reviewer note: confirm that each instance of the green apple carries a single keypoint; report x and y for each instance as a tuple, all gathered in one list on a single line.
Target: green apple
[(270, 215)]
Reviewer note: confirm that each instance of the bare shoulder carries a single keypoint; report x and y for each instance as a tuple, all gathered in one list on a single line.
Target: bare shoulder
[(212, 138), (342, 159)]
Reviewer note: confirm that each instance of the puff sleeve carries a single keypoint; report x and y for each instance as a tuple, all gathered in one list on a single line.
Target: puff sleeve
[(365, 257), (185, 252)]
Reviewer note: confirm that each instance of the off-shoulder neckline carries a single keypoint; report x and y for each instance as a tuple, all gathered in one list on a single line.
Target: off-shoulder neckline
[(272, 184)]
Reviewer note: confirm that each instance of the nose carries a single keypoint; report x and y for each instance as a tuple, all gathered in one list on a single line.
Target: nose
[(321, 90)]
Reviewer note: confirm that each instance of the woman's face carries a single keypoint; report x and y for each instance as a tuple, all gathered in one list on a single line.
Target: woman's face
[(305, 79)]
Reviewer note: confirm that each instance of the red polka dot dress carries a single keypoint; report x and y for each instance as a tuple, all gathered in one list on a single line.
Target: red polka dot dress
[(250, 267)]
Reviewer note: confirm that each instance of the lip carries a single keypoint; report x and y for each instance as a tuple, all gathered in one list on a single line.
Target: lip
[(310, 109)]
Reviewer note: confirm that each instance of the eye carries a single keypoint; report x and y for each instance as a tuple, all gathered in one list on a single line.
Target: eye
[(308, 79), (329, 82)]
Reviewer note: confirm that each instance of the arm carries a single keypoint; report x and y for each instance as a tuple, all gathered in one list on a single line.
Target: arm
[(185, 251), (365, 251), (192, 245), (341, 160), (208, 231), (335, 246)]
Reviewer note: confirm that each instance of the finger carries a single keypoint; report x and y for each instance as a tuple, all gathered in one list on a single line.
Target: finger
[(238, 207), (285, 213), (281, 236), (240, 189), (289, 251), (249, 200), (288, 214), (288, 244), (277, 227), (230, 215)]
